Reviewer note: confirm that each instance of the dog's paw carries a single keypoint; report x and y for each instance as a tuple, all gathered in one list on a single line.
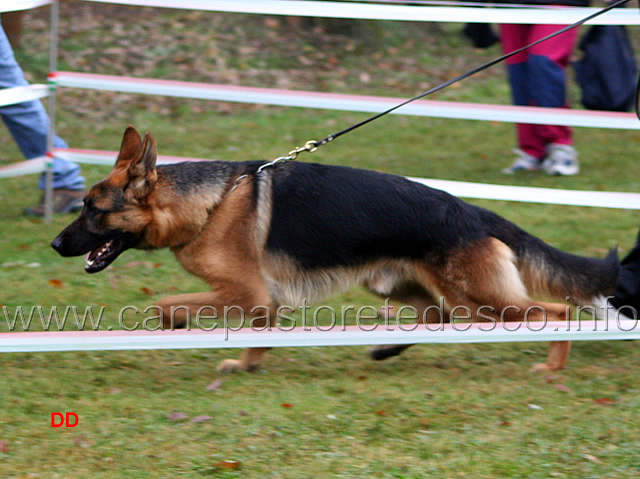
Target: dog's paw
[(235, 365), (230, 366), (542, 367), (380, 353)]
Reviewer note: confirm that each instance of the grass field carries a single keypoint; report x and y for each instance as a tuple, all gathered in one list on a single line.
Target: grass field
[(448, 411)]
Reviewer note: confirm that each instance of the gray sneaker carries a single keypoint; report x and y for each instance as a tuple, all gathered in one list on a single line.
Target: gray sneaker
[(561, 160), (523, 162), (64, 201)]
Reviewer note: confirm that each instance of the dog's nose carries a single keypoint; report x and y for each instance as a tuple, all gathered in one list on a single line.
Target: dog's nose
[(56, 244)]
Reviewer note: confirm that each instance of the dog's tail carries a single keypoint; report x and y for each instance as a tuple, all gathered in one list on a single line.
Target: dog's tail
[(549, 272), (626, 297)]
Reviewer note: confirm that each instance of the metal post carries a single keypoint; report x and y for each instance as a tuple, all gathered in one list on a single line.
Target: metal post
[(51, 109)]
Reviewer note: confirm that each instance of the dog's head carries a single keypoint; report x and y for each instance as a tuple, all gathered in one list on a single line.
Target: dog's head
[(116, 209)]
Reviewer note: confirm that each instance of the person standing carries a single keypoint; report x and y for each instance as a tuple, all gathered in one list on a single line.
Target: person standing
[(538, 77), (28, 124)]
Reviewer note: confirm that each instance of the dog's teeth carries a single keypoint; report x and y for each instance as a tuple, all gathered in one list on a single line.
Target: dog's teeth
[(104, 249)]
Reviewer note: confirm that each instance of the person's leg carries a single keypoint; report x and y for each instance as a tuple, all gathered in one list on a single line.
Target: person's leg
[(28, 123), (548, 83), (548, 62), (514, 37)]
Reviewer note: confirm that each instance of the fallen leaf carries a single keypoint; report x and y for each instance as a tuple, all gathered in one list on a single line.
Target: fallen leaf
[(82, 442), (202, 418), (243, 413), (272, 22), (505, 423), (115, 391), (563, 388), (177, 416), (4, 446), (157, 265), (215, 385), (227, 464), (305, 61), (287, 405), (56, 283), (591, 458), (381, 413), (146, 291), (175, 363), (604, 401)]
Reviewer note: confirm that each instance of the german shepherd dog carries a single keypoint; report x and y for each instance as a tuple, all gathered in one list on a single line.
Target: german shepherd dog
[(302, 232)]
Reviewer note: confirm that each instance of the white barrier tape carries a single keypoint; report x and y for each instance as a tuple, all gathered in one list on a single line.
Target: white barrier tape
[(299, 337), (372, 11), (94, 157), (108, 158), (602, 199), (528, 194), (36, 165), (19, 94), (14, 5), (370, 104)]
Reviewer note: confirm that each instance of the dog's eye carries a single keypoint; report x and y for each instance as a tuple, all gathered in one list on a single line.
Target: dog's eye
[(91, 208)]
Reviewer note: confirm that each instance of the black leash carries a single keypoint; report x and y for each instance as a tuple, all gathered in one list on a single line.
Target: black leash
[(312, 145)]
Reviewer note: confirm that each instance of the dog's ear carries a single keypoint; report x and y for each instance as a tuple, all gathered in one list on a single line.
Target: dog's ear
[(130, 146), (142, 169)]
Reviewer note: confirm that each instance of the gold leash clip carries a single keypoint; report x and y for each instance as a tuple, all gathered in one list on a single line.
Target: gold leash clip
[(310, 146)]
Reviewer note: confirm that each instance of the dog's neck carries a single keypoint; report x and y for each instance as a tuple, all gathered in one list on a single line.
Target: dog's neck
[(179, 212)]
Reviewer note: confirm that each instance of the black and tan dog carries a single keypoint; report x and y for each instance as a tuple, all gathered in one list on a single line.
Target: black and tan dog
[(302, 232)]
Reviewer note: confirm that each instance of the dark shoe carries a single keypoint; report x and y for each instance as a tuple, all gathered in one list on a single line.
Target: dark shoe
[(64, 201)]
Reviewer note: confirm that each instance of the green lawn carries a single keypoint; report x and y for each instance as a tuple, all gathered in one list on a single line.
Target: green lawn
[(438, 411)]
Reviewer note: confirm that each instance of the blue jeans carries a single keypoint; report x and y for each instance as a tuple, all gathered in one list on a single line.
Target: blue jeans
[(28, 123)]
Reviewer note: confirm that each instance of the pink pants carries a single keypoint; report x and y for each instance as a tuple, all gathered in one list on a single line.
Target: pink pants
[(538, 78)]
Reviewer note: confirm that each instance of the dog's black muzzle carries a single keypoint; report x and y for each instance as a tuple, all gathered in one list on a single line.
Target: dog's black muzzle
[(101, 249), (75, 240)]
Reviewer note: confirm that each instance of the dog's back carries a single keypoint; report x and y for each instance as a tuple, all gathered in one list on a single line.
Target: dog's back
[(325, 218)]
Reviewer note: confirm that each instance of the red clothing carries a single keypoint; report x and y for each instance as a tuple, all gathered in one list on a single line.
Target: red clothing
[(538, 78)]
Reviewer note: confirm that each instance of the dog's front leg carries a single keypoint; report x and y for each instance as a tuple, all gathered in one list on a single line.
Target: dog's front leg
[(250, 358), (183, 308)]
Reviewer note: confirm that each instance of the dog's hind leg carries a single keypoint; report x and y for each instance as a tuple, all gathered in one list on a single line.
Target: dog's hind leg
[(484, 278), (556, 358), (427, 310)]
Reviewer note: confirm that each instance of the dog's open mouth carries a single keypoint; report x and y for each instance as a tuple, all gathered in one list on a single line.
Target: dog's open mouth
[(101, 257)]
